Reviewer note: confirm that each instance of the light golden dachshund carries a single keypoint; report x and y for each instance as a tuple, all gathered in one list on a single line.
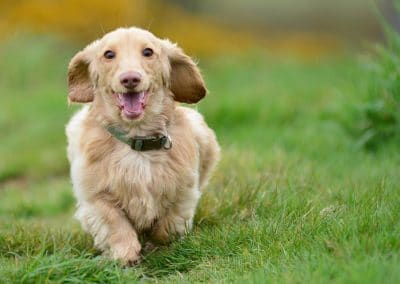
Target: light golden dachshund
[(138, 160)]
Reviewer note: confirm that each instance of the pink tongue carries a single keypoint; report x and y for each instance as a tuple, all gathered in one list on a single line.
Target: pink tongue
[(132, 103)]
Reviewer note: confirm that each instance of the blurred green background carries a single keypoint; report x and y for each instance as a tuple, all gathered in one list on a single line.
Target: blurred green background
[(304, 98)]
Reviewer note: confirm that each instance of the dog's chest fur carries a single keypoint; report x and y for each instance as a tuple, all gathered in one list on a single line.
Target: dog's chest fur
[(145, 185)]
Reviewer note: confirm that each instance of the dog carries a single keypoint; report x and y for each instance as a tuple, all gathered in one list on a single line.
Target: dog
[(139, 160)]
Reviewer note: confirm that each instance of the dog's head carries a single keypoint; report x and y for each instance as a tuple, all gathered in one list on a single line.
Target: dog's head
[(129, 72)]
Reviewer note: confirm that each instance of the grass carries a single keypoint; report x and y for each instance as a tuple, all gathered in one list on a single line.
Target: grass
[(294, 200)]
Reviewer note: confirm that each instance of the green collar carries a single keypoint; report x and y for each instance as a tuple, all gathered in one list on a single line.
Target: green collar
[(142, 143)]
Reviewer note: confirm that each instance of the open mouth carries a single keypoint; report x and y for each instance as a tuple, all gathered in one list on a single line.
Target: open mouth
[(132, 104)]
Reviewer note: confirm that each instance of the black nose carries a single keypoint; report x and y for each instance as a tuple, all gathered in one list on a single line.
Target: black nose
[(130, 79)]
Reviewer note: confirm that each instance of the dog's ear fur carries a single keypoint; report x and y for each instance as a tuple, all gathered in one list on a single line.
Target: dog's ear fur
[(185, 80), (80, 87)]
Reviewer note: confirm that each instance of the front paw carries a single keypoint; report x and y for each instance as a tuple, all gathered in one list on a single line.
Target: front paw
[(127, 253)]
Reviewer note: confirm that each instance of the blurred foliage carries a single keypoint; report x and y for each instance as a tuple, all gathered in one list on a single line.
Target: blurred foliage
[(382, 112), (84, 21)]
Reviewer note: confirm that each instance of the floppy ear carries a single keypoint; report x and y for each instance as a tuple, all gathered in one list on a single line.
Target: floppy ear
[(80, 87), (186, 82)]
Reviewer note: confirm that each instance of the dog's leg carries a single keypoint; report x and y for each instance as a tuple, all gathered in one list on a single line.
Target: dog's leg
[(111, 230), (178, 220), (170, 226)]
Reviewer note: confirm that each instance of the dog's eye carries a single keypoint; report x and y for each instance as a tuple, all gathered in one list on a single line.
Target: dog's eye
[(109, 54), (147, 52)]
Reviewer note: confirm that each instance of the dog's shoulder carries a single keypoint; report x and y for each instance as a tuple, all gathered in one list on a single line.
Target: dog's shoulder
[(74, 131), (189, 115), (75, 123), (194, 120)]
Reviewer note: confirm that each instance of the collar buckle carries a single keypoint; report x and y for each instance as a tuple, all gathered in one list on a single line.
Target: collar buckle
[(137, 144), (166, 142), (146, 143)]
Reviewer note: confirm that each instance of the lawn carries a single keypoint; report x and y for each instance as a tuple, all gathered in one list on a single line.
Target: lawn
[(294, 199)]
